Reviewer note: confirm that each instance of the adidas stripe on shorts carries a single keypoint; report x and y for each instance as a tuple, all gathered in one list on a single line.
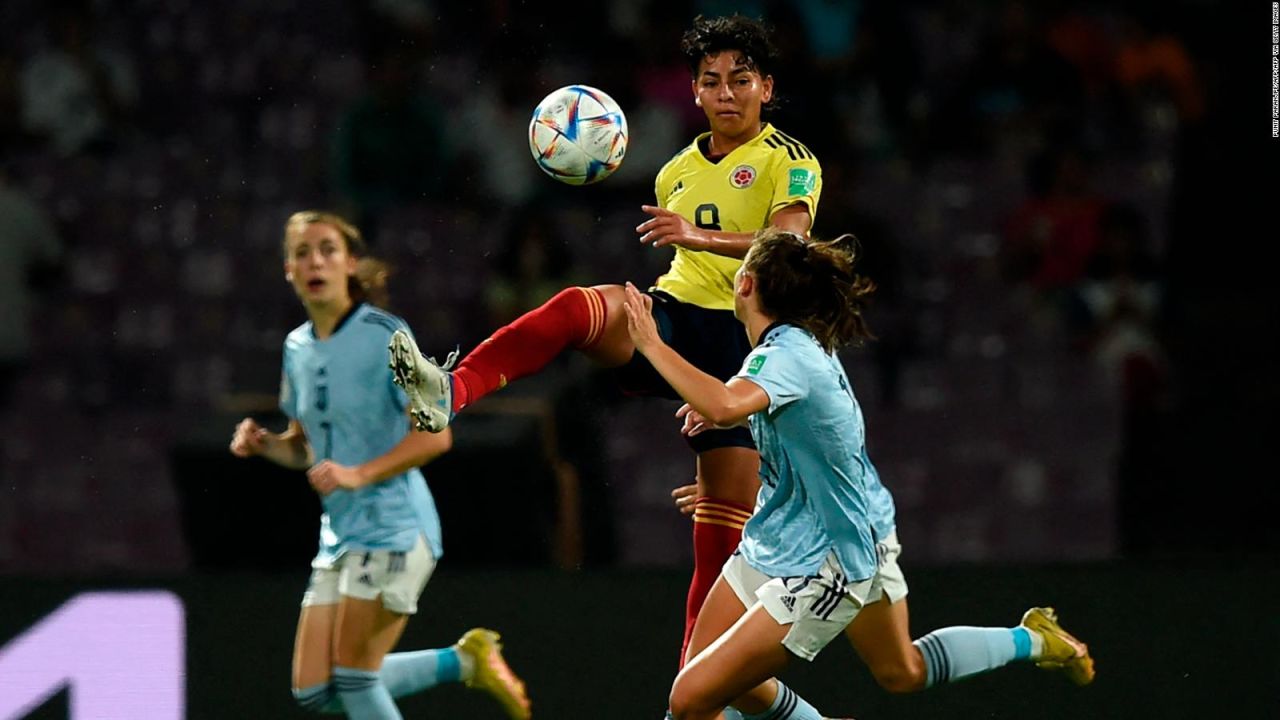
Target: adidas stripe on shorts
[(817, 607), (397, 577)]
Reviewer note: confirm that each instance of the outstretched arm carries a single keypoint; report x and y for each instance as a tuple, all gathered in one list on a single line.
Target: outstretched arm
[(723, 404), (669, 228)]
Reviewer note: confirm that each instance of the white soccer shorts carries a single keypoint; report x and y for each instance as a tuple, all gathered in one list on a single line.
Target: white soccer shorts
[(818, 607), (398, 577)]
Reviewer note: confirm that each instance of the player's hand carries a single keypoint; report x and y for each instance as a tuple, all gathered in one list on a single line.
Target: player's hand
[(669, 228), (249, 439), (694, 423), (327, 476), (685, 497), (640, 324)]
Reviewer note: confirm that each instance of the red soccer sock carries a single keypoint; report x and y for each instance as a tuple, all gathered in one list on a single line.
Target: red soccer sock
[(575, 317), (717, 528)]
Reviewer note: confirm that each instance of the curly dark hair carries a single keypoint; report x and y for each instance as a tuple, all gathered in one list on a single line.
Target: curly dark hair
[(811, 284), (709, 36)]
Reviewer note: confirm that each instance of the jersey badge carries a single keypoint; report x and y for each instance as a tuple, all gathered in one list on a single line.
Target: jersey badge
[(800, 182), (742, 176)]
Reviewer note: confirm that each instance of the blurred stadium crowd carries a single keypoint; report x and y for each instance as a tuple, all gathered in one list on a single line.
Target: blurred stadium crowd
[(1026, 179)]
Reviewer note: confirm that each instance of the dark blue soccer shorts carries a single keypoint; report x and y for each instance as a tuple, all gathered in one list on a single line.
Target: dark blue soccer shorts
[(713, 340)]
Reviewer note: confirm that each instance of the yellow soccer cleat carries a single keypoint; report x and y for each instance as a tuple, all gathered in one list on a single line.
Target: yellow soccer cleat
[(1061, 650), (492, 674)]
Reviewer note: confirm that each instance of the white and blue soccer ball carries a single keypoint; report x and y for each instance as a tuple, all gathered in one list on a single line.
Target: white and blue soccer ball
[(578, 135)]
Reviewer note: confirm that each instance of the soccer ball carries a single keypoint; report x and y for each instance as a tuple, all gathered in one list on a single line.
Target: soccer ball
[(578, 135)]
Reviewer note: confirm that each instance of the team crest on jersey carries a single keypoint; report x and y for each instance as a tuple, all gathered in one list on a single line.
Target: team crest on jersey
[(742, 176)]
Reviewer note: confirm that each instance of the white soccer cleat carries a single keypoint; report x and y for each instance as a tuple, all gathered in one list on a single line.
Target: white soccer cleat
[(428, 385)]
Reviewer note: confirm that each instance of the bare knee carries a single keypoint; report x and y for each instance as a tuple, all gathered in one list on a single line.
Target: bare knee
[(681, 702), (612, 347), (902, 675), (355, 652), (687, 703), (614, 297), (361, 658)]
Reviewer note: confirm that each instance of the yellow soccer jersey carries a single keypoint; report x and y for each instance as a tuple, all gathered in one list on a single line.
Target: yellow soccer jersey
[(740, 193)]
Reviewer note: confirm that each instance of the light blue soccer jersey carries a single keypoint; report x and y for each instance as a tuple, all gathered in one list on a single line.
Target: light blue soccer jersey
[(819, 492), (340, 388)]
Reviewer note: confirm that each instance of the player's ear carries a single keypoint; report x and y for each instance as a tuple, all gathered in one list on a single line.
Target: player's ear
[(766, 89), (288, 271)]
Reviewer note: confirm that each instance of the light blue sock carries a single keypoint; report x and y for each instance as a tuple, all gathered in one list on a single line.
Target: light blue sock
[(403, 673), (364, 695), (318, 699), (958, 652), (406, 673), (787, 706)]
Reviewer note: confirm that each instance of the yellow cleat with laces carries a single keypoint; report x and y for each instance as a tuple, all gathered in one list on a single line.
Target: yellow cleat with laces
[(492, 674), (1061, 650)]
